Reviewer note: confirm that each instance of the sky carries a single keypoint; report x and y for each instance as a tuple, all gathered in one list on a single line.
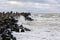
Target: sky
[(35, 6)]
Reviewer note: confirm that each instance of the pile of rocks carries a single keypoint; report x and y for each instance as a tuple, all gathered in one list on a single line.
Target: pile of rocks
[(4, 15), (8, 25), (26, 15)]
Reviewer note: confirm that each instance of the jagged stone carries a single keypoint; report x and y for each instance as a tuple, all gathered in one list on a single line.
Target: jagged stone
[(22, 30), (7, 21), (21, 26), (28, 18), (25, 14), (26, 29)]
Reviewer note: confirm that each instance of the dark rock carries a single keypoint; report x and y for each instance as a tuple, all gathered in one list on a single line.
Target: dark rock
[(2, 30), (26, 29), (21, 26), (6, 35), (6, 38), (15, 28), (22, 30), (9, 24), (14, 38), (25, 14), (28, 18)]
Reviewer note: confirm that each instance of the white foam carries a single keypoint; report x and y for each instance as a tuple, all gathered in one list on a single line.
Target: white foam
[(42, 28)]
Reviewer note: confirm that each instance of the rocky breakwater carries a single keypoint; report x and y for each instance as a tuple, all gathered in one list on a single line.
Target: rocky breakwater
[(8, 24)]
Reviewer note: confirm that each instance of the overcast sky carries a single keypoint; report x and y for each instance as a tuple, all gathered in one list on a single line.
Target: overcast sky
[(38, 6)]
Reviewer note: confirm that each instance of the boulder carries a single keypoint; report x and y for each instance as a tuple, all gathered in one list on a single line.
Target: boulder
[(22, 30), (21, 27), (25, 14), (28, 18), (26, 29)]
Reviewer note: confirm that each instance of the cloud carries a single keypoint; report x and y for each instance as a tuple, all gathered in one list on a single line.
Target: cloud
[(34, 5), (39, 1), (29, 4)]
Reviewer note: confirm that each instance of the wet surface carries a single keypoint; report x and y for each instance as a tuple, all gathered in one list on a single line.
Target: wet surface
[(42, 28)]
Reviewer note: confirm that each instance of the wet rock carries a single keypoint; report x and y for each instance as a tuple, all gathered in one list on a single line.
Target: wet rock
[(8, 24), (14, 38), (21, 27), (26, 29), (6, 38), (2, 30), (22, 30), (28, 18), (6, 35), (25, 14)]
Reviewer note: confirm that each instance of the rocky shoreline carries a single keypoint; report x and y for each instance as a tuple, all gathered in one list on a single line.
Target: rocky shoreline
[(8, 23)]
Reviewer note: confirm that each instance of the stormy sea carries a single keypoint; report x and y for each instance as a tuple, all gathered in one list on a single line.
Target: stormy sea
[(43, 27)]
